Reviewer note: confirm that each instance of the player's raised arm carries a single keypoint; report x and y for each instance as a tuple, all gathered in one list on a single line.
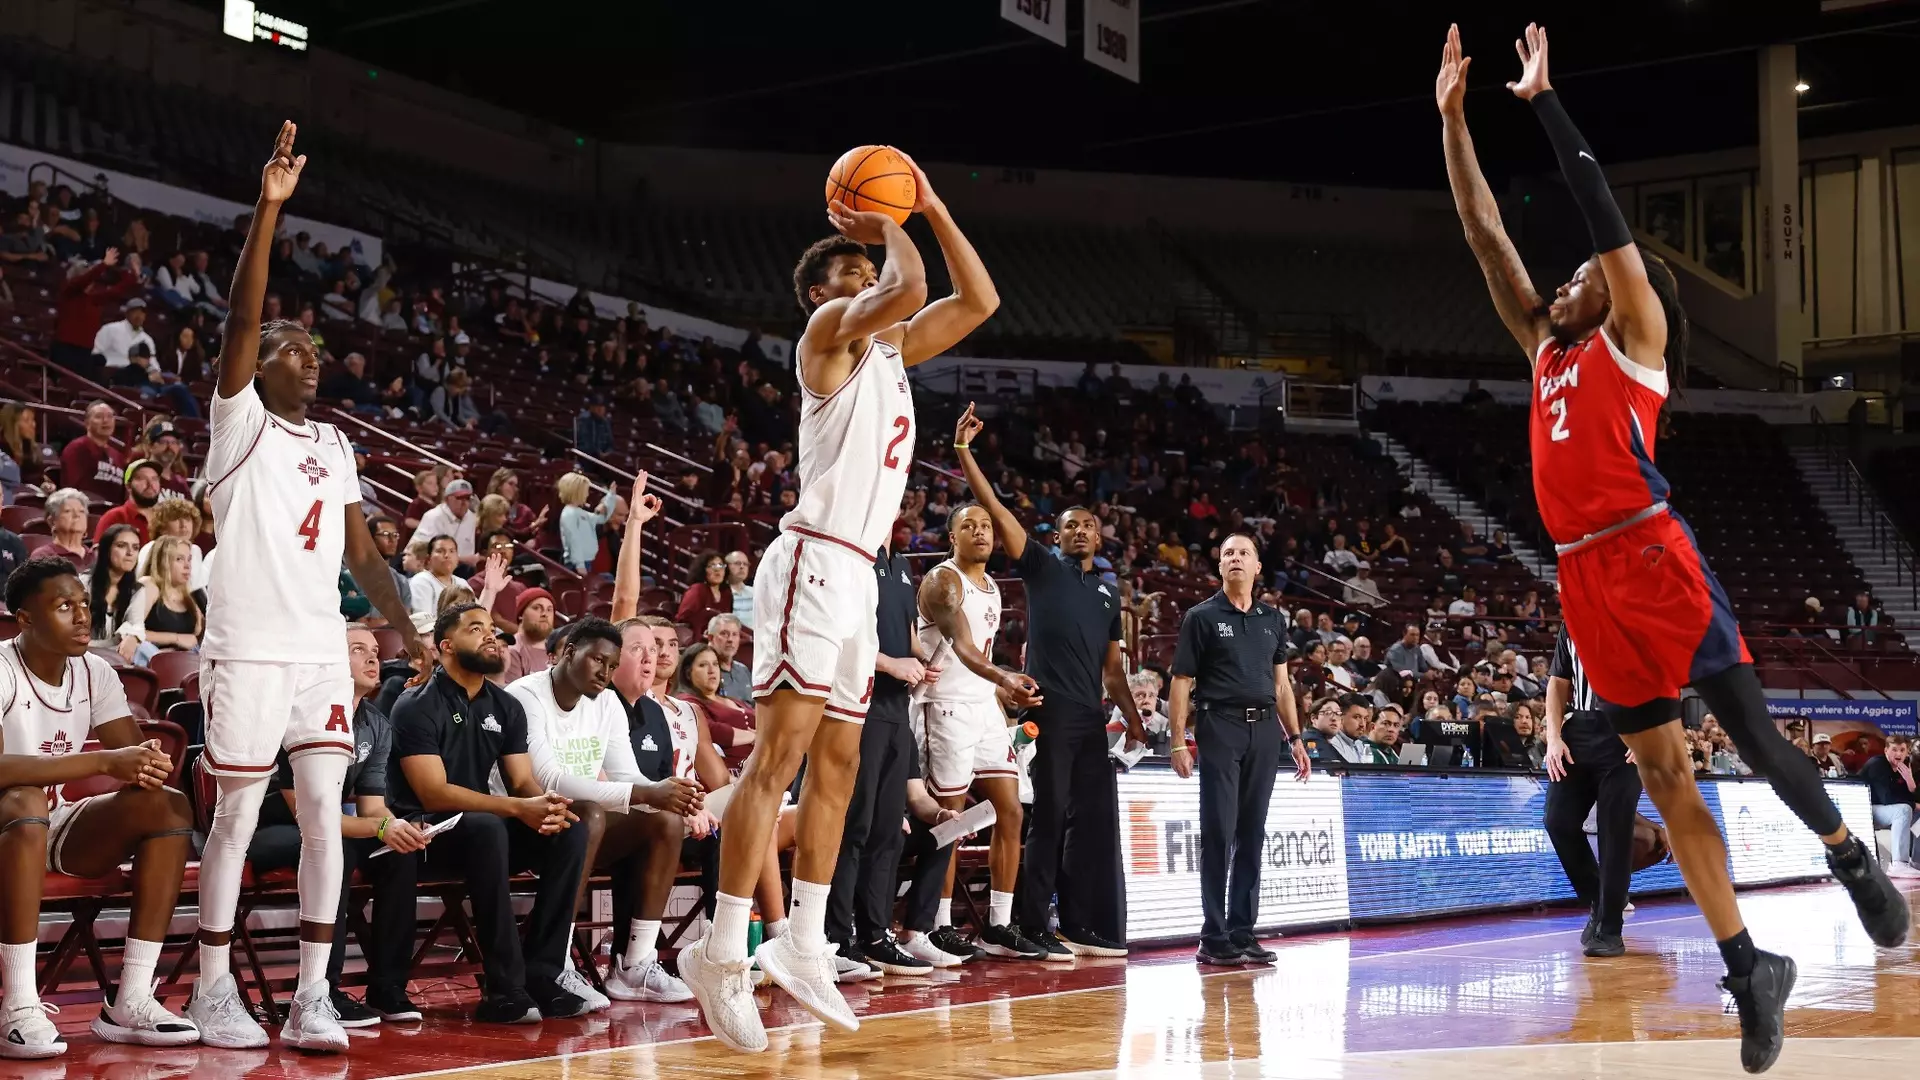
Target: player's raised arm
[(1638, 320), (626, 578), (1520, 307), (940, 325), (240, 349), (1013, 535), (899, 291)]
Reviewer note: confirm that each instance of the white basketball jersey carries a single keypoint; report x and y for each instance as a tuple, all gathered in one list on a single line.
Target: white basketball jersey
[(50, 721), (684, 726), (856, 445), (981, 608), (279, 507)]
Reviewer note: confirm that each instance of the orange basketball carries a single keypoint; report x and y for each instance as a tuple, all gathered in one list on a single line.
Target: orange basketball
[(873, 178)]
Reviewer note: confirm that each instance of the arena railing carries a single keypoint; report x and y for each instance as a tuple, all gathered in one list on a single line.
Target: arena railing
[(1886, 536)]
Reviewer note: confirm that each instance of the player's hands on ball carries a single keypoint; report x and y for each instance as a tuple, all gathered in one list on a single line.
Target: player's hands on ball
[(404, 837), (1450, 86), (676, 795), (1022, 691), (282, 172), (1533, 64), (862, 226), (143, 765), (923, 197), (1557, 758)]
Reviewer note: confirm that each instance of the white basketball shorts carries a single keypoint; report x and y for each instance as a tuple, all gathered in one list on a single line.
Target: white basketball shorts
[(256, 708), (963, 741), (814, 628)]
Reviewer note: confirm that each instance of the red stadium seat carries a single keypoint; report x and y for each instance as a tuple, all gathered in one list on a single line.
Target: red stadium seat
[(172, 666), (17, 517), (392, 645), (141, 685)]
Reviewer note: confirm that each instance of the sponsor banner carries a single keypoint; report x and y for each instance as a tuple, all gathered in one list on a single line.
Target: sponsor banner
[(1897, 717), (1421, 845), (15, 161), (1776, 408), (1303, 865), (1766, 842), (1220, 386)]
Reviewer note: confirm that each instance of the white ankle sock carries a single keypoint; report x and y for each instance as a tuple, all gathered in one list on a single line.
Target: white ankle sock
[(774, 929), (215, 962), (17, 976), (137, 962), (641, 940), (727, 941), (313, 964), (808, 915), (944, 917), (999, 908)]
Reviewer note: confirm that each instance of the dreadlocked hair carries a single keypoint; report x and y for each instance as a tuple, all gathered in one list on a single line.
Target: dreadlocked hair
[(1667, 287)]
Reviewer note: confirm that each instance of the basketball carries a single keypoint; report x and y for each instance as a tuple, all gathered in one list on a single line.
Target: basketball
[(873, 178), (1650, 846)]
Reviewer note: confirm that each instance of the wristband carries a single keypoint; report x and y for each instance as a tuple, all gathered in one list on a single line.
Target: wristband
[(962, 445), (380, 833), (1181, 749)]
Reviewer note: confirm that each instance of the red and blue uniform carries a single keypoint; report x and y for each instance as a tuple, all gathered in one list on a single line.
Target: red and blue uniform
[(1646, 614)]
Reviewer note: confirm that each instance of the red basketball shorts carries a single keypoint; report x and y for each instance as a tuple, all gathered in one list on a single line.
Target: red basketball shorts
[(1646, 614)]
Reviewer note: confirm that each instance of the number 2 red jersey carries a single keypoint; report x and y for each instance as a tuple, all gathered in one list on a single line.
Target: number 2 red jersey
[(1591, 425), (279, 507), (856, 445)]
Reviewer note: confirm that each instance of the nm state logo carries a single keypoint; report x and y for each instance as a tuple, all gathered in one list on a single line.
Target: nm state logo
[(315, 472), (57, 745)]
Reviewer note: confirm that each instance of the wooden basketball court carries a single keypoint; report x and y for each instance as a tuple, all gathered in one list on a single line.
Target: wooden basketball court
[(1486, 998)]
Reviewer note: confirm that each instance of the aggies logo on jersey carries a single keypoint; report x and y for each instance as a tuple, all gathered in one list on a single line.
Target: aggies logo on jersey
[(315, 472)]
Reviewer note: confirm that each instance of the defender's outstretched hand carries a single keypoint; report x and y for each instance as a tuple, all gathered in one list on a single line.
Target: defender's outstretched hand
[(282, 172), (1533, 64), (1450, 86)]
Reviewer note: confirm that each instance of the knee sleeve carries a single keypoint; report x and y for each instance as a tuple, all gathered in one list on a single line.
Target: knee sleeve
[(317, 779), (235, 813)]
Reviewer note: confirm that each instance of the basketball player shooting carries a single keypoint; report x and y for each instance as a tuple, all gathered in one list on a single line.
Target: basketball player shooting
[(273, 667), (1640, 604), (814, 594)]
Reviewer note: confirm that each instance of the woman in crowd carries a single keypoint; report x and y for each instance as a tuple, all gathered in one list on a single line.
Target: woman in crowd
[(112, 583), (1529, 609), (709, 595), (696, 680), (452, 401), (579, 526), (67, 521), (181, 518), (185, 360), (522, 523), (493, 515), (22, 466), (1532, 751), (1393, 547), (1434, 650), (164, 614)]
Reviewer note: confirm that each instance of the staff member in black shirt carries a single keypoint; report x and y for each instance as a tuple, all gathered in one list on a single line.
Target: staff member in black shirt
[(1230, 667), (866, 876), (1073, 652), (1587, 763), (448, 735)]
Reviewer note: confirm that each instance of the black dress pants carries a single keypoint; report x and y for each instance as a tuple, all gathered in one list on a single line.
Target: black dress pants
[(1599, 775), (485, 850), (865, 879), (395, 899), (1073, 835), (1238, 762), (929, 878)]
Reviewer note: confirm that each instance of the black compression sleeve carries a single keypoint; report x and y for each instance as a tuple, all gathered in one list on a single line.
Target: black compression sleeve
[(1590, 192)]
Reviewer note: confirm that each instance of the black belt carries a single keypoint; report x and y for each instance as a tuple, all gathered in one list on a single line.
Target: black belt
[(1252, 714)]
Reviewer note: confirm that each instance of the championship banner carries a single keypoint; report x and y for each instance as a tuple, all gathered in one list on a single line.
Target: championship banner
[(1303, 874), (1113, 36), (1426, 845), (1048, 18)]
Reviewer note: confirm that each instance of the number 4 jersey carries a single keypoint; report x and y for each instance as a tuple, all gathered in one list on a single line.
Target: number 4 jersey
[(1592, 424), (279, 500)]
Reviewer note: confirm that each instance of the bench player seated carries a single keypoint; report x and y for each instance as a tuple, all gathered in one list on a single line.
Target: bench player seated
[(54, 696)]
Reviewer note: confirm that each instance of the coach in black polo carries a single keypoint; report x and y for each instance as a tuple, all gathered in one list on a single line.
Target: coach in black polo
[(1229, 670), (1073, 652)]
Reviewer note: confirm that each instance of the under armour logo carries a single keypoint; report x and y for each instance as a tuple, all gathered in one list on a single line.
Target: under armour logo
[(815, 579)]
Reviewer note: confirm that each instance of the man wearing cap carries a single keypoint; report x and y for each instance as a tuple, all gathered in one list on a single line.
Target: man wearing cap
[(454, 517), (1363, 591), (164, 450), (533, 611), (592, 431), (114, 339), (143, 493), (1824, 759)]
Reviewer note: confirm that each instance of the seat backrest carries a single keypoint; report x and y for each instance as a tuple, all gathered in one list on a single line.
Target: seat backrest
[(173, 743), (142, 686), (171, 667)]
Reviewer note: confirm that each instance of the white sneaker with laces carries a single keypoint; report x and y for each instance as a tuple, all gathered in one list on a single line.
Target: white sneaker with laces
[(810, 978), (725, 993), (27, 1035), (645, 981), (1904, 870), (921, 947), (145, 1022), (848, 970), (312, 1025), (222, 1017), (574, 982)]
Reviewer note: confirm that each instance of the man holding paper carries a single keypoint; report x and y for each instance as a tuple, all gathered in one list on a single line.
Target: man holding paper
[(369, 830)]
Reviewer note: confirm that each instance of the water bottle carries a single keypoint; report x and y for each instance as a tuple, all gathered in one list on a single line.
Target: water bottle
[(1024, 734), (754, 932), (1466, 757)]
